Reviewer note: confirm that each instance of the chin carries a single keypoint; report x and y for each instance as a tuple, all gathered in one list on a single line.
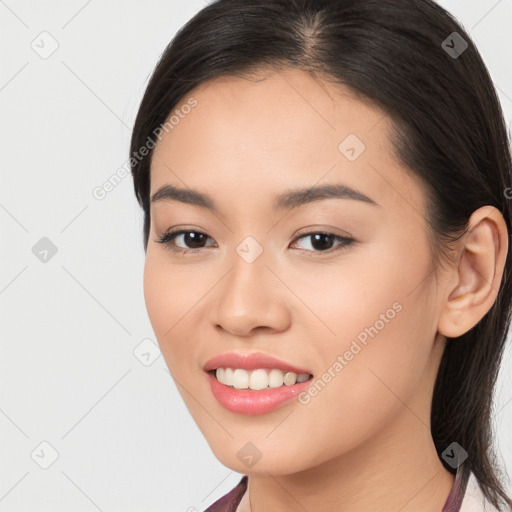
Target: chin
[(246, 458)]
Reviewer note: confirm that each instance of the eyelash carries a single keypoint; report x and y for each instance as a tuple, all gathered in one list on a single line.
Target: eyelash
[(168, 237)]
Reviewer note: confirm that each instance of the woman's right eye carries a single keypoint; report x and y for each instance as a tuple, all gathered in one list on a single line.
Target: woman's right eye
[(197, 238)]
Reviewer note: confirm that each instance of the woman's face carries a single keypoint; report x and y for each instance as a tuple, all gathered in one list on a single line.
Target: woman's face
[(272, 277)]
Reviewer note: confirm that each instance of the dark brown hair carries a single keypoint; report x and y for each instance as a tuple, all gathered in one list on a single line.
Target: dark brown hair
[(449, 130)]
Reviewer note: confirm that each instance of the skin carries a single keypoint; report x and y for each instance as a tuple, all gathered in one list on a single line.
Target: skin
[(365, 437)]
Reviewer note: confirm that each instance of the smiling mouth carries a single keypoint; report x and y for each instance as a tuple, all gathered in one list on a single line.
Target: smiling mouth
[(258, 379)]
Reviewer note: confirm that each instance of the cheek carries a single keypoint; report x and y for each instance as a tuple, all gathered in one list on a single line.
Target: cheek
[(375, 334), (382, 366), (170, 296), (380, 295)]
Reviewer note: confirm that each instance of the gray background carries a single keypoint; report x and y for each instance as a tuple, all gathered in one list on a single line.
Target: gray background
[(71, 373)]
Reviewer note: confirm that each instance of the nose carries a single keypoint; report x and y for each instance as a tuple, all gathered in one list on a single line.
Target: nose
[(251, 298)]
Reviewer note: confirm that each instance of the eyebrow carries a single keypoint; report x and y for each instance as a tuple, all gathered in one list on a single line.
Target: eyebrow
[(289, 199)]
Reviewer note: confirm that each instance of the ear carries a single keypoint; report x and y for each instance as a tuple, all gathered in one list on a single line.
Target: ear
[(478, 274)]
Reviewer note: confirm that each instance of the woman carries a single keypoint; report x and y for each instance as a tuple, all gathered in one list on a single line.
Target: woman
[(325, 187)]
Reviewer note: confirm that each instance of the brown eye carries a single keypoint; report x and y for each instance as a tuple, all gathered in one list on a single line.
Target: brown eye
[(193, 240), (323, 242)]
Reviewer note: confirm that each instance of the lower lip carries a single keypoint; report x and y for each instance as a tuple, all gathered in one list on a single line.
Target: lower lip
[(245, 401)]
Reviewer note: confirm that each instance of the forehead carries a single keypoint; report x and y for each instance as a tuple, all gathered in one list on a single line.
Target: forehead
[(277, 130), (272, 110)]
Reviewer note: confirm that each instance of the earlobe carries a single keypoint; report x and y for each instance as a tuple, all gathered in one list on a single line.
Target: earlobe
[(479, 272)]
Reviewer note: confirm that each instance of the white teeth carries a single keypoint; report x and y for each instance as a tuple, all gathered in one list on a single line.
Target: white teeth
[(275, 378), (220, 375), (290, 378), (258, 379), (228, 376), (240, 379)]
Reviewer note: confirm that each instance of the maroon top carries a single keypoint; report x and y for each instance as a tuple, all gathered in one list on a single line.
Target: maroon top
[(230, 501)]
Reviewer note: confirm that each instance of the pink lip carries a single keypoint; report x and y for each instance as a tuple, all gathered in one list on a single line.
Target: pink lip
[(247, 401), (250, 361)]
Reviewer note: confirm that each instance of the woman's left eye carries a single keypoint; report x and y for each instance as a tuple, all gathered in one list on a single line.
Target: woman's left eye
[(320, 241), (324, 241)]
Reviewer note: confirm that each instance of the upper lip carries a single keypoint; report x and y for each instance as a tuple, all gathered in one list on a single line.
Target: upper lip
[(250, 361)]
